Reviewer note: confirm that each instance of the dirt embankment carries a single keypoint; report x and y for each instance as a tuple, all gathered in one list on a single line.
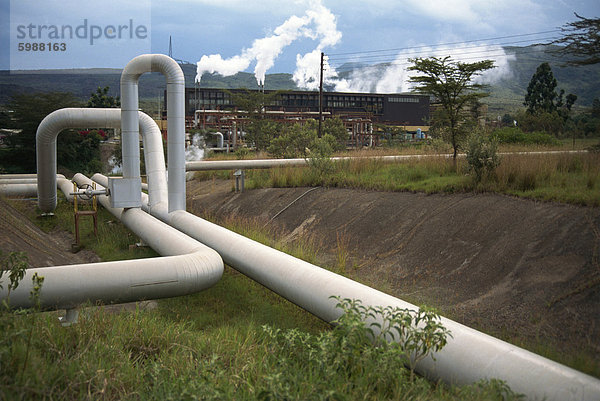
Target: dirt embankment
[(513, 267), (18, 234)]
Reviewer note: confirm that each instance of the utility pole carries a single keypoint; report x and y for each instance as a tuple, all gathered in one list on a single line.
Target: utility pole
[(321, 95)]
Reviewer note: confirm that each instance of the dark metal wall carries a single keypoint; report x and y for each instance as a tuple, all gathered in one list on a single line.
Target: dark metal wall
[(396, 109)]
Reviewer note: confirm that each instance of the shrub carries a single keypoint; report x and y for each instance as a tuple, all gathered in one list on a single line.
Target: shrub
[(371, 356), (482, 156), (516, 136)]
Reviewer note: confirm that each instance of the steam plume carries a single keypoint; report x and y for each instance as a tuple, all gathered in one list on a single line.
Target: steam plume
[(318, 23), (393, 77)]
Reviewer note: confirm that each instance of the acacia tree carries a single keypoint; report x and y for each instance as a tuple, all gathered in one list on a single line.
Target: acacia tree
[(452, 84), (581, 39)]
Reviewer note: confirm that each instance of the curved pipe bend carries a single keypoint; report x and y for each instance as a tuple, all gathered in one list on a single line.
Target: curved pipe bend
[(186, 267), (175, 121), (62, 119)]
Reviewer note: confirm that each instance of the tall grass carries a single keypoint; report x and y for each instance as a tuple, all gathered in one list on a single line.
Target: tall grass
[(569, 178)]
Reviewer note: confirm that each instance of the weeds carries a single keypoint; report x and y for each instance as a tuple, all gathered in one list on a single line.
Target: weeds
[(568, 178), (15, 263), (211, 346), (365, 357)]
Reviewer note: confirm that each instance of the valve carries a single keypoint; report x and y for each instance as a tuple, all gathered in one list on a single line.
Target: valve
[(87, 192)]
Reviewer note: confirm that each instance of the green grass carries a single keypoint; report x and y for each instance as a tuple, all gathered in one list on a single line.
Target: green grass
[(114, 240), (236, 340), (206, 346), (567, 178)]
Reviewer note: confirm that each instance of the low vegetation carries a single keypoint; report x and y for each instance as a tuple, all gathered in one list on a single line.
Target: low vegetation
[(233, 341), (563, 177)]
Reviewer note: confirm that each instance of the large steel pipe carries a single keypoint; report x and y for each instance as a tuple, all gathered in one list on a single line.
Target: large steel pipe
[(202, 165), (59, 120), (29, 187), (469, 355), (175, 121)]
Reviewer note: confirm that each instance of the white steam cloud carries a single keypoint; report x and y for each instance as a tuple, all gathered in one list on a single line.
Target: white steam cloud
[(319, 24), (394, 76)]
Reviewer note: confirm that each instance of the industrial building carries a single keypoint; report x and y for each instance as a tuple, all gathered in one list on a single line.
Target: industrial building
[(365, 115)]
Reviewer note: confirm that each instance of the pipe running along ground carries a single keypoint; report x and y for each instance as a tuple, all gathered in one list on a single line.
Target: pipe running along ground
[(200, 165), (186, 267), (31, 188), (468, 357), (26, 185)]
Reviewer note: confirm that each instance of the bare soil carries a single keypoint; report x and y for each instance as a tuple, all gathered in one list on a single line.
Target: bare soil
[(523, 270), (18, 234)]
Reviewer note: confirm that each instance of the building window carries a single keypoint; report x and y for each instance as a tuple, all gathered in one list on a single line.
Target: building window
[(403, 99)]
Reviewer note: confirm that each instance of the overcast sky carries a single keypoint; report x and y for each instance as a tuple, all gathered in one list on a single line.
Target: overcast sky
[(229, 28)]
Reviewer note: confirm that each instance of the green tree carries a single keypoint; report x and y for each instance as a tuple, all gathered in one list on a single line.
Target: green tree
[(542, 97), (581, 39), (452, 84), (101, 99), (28, 110), (259, 129), (541, 91), (295, 140), (79, 151), (335, 127)]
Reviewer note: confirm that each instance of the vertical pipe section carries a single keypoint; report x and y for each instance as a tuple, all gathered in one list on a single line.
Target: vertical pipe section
[(175, 120)]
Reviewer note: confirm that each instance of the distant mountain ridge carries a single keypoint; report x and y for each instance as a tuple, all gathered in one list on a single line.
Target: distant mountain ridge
[(506, 95)]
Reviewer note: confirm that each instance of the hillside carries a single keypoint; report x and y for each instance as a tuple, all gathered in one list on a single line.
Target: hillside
[(506, 95), (83, 82), (509, 93)]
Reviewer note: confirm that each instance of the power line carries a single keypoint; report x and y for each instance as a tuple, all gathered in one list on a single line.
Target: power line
[(449, 43), (379, 57), (406, 63)]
